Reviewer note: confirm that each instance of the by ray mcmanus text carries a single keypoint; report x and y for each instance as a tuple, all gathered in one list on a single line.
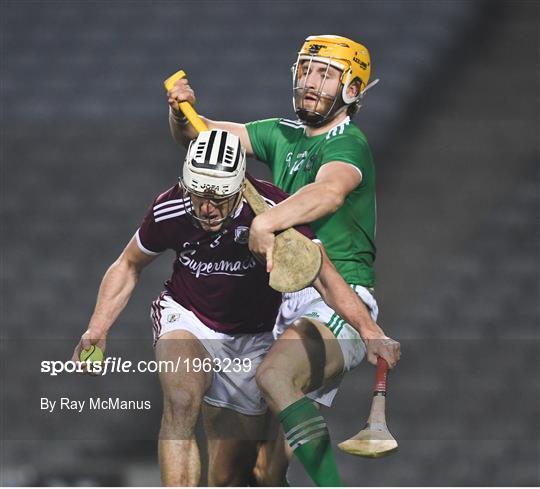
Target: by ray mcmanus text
[(67, 404)]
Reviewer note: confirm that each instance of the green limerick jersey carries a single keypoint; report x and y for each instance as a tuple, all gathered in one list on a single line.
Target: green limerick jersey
[(294, 159)]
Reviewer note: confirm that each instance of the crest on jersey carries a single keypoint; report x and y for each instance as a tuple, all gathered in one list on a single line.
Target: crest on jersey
[(172, 318), (309, 165), (241, 234)]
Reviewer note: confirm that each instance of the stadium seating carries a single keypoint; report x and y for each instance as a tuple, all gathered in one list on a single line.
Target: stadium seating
[(86, 147)]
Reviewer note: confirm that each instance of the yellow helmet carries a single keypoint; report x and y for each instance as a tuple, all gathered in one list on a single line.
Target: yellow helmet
[(345, 54), (348, 56)]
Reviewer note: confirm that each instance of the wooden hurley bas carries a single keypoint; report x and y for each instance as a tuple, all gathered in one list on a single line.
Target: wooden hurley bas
[(375, 440)]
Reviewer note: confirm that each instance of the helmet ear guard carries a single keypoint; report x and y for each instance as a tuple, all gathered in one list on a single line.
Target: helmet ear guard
[(346, 84)]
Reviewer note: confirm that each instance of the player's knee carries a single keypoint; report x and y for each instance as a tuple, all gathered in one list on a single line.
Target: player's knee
[(180, 404), (273, 379), (265, 378)]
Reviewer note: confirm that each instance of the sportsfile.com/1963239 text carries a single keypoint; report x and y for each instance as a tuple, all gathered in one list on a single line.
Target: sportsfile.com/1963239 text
[(120, 365)]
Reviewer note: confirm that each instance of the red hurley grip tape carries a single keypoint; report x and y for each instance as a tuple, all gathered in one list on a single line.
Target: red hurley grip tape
[(381, 376)]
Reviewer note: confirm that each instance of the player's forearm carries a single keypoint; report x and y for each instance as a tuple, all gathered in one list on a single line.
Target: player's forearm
[(307, 205), (181, 131), (116, 288), (337, 294)]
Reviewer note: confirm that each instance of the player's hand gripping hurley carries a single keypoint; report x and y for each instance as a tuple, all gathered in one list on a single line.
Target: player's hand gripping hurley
[(297, 259), (374, 440)]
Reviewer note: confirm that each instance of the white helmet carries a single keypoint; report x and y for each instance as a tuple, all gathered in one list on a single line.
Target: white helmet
[(215, 165), (214, 169)]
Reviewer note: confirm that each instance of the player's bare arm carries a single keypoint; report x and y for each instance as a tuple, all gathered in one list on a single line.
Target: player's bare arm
[(341, 297), (114, 292), (183, 132), (334, 181)]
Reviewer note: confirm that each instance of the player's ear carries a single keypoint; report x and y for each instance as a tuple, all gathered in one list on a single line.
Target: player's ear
[(354, 89)]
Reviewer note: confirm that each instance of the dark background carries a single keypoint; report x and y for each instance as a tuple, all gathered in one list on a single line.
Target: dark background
[(453, 126)]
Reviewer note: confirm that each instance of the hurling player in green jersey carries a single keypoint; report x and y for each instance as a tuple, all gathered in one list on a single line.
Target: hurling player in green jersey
[(324, 161)]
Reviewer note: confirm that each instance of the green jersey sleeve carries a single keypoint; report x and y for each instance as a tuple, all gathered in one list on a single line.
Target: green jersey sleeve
[(349, 149), (261, 136)]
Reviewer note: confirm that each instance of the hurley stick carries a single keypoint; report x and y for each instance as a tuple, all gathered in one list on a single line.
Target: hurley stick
[(374, 440), (297, 259)]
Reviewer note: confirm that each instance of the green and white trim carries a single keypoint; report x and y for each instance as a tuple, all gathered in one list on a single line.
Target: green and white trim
[(306, 431), (308, 304)]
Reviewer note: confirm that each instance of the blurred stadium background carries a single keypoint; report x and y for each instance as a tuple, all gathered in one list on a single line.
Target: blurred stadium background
[(454, 130)]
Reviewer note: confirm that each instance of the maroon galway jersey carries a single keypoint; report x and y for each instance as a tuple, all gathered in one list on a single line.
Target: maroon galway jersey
[(214, 274)]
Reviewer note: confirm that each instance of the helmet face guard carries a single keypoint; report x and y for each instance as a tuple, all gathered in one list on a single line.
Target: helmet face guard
[(214, 171), (227, 206), (353, 61), (326, 104)]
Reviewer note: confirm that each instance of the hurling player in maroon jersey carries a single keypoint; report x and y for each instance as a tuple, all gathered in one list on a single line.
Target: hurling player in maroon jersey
[(217, 309)]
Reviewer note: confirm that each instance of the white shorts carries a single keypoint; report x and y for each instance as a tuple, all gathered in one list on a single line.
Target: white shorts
[(309, 304), (232, 388)]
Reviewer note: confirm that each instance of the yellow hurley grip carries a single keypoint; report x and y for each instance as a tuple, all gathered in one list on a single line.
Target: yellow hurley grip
[(169, 82), (186, 108)]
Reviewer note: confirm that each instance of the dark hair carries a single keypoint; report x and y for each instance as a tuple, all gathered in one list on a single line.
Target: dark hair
[(354, 107)]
